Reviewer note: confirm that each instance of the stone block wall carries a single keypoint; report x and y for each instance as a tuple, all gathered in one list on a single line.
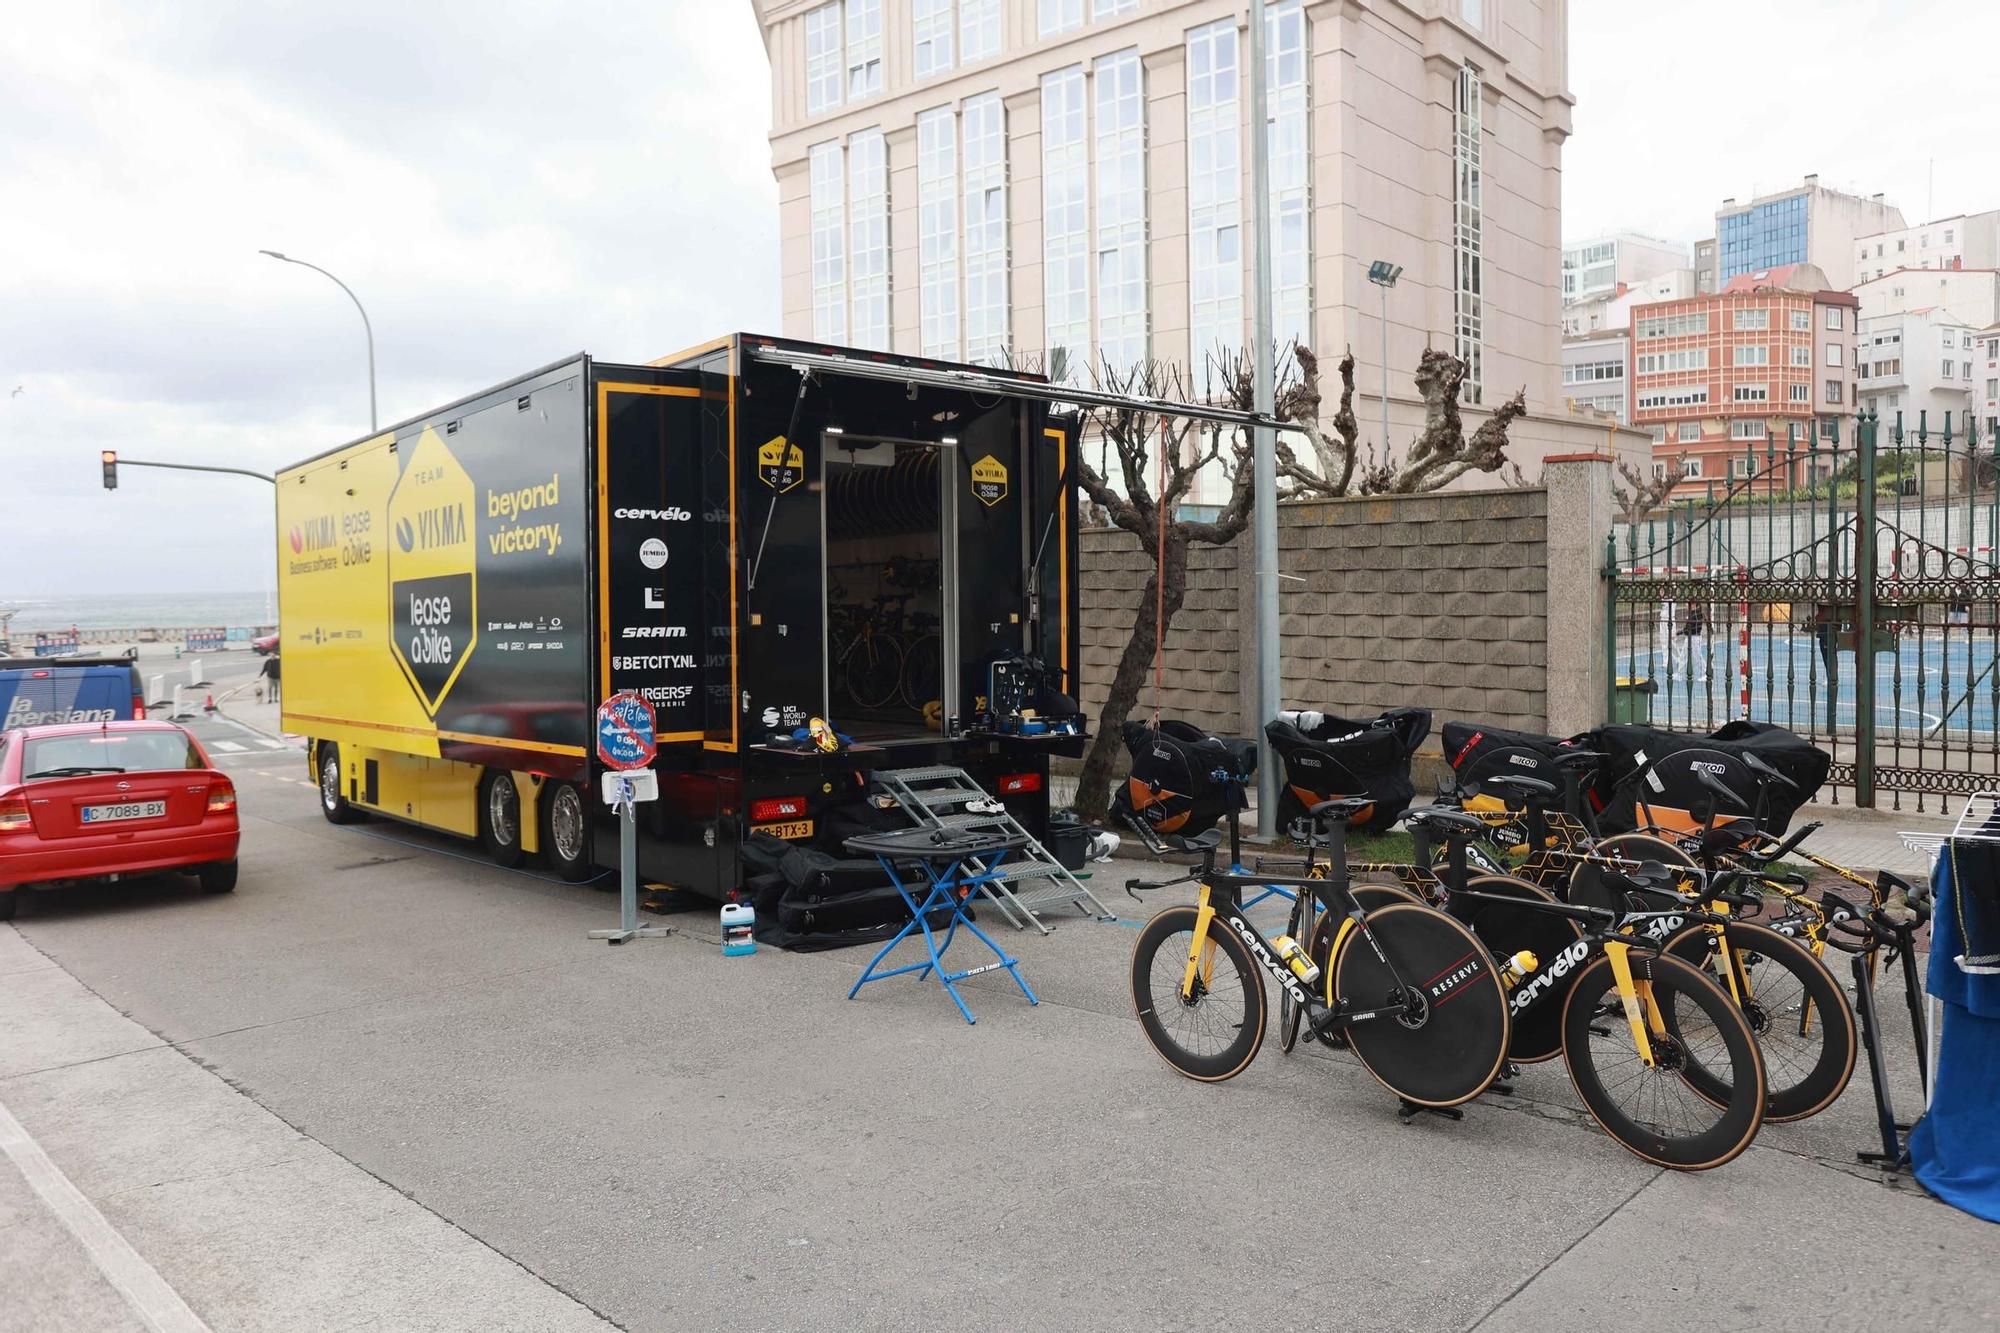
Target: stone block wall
[(1201, 662)]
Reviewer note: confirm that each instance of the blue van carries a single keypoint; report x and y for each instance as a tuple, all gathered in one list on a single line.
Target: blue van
[(37, 696)]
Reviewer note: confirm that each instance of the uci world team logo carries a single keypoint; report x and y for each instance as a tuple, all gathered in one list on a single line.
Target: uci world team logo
[(433, 614)]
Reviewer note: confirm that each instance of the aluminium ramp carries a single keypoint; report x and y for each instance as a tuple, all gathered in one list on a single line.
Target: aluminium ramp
[(945, 797)]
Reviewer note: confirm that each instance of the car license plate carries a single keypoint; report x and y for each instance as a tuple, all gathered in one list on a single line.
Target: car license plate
[(796, 828), (104, 814)]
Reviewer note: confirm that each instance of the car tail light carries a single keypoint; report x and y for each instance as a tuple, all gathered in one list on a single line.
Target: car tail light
[(221, 798), (14, 816), (139, 707), (777, 807), (1017, 784)]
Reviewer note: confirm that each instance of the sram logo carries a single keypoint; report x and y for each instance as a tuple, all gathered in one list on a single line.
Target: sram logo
[(673, 515), (655, 632), (1549, 974)]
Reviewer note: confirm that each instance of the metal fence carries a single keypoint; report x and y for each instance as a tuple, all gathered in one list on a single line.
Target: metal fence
[(1753, 596)]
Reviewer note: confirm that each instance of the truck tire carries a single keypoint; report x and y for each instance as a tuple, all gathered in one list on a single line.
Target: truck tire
[(566, 831), (331, 803), (500, 819)]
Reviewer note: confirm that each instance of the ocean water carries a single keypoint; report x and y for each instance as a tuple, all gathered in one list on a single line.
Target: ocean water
[(231, 610)]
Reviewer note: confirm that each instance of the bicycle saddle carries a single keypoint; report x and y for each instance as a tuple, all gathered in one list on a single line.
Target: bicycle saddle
[(1729, 837), (1577, 759), (1200, 842), (1450, 823), (1341, 808), (1528, 789), (1646, 877)]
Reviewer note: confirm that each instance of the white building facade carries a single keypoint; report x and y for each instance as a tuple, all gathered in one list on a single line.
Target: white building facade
[(1026, 175), (1597, 374), (1920, 367), (1600, 266), (1969, 240), (1807, 224)]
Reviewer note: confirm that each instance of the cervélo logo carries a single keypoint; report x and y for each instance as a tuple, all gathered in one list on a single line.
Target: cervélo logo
[(670, 515)]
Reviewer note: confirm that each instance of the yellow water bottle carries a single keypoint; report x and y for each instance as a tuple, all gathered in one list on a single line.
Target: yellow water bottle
[(1513, 969), (1296, 958)]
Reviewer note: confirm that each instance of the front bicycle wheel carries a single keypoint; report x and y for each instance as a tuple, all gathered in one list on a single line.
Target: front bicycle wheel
[(1799, 1014), (1451, 1045), (873, 670), (1214, 1033), (1653, 1109)]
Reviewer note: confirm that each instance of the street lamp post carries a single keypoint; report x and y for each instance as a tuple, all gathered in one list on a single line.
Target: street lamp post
[(1263, 444), (366, 327), (1384, 274)]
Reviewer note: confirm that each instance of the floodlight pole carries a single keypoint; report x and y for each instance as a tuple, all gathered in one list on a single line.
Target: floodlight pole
[(1264, 440)]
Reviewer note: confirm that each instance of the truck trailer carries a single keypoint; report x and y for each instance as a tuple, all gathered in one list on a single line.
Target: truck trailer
[(751, 534)]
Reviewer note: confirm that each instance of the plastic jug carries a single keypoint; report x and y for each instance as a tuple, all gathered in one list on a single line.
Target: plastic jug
[(739, 924)]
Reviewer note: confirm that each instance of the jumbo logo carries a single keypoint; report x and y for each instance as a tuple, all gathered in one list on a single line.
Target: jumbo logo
[(434, 615)]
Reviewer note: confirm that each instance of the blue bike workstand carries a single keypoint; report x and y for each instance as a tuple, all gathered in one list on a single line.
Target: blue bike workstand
[(942, 854)]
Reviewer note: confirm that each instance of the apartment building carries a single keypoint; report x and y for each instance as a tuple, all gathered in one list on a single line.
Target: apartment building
[(1613, 310), (1917, 368), (1600, 266), (1972, 294), (1986, 382), (1769, 356), (1597, 374), (1807, 224), (1965, 240), (992, 179)]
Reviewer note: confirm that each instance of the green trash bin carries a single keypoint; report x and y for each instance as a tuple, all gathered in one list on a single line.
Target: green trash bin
[(1632, 699)]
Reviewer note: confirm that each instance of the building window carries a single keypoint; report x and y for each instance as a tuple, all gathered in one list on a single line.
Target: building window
[(1690, 432), (868, 238), (937, 234), (1751, 319), (1469, 278), (1122, 325), (1285, 60), (1965, 342), (1104, 9), (1473, 12), (1750, 428), (1659, 435), (930, 26), (1590, 372), (1060, 16), (1674, 326), (1833, 392), (1659, 472), (1965, 370), (1799, 393), (1893, 366), (823, 67), (1065, 219), (1950, 339), (864, 48), (1740, 467), (1801, 354), (978, 30), (1833, 316), (1691, 467), (1946, 372), (1215, 176), (984, 125), (1758, 355), (1992, 389), (1901, 245), (1752, 393), (829, 248), (1687, 358), (1947, 235), (1683, 397), (1993, 347), (1833, 354), (1801, 321)]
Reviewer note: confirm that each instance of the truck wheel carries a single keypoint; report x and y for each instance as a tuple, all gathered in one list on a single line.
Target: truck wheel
[(218, 877), (500, 819), (566, 831), (331, 803)]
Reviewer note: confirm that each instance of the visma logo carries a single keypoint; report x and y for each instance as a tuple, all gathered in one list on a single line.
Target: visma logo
[(314, 534), (441, 526), (298, 540)]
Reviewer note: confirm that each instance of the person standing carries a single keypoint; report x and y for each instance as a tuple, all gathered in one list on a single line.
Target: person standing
[(270, 672), (1696, 632), (1676, 646)]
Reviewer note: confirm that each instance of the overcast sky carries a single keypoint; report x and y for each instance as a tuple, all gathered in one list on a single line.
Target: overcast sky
[(506, 182)]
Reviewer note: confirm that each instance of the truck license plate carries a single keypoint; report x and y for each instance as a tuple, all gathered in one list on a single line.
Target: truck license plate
[(104, 814), (796, 828)]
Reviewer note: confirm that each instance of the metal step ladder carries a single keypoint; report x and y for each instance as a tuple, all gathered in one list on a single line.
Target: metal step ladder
[(939, 797)]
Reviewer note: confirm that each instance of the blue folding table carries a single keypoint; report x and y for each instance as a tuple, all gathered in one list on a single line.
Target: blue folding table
[(957, 862)]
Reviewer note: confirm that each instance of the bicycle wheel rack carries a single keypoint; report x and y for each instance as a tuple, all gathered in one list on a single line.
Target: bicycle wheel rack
[(939, 797)]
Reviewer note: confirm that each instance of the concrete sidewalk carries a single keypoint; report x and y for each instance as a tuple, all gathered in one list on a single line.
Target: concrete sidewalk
[(138, 1179)]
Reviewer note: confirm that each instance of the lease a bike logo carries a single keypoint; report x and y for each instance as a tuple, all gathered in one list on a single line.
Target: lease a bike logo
[(433, 618), (989, 481), (781, 464)]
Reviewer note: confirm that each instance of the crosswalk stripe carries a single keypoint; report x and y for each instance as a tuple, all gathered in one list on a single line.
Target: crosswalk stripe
[(270, 744), (230, 747)]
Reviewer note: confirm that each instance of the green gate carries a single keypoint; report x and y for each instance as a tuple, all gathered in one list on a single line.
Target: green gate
[(1823, 572)]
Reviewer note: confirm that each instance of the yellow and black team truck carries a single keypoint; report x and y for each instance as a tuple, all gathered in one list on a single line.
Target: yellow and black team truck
[(752, 534)]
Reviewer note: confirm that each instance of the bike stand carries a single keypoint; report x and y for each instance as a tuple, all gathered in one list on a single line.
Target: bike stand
[(1504, 1084), (1406, 1111)]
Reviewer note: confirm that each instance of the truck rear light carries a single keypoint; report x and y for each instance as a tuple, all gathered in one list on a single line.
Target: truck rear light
[(1018, 784), (221, 798), (773, 808), (14, 817), (139, 707)]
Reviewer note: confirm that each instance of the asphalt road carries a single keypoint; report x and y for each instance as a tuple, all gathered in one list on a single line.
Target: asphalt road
[(452, 1110)]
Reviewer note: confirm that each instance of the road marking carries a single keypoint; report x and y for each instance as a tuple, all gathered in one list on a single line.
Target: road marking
[(158, 1305), (270, 744), (230, 747)]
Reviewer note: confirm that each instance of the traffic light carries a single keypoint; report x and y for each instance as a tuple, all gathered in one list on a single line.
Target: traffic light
[(110, 469)]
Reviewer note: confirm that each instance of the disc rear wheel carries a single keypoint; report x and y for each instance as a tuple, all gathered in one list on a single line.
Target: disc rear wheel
[(1451, 1040)]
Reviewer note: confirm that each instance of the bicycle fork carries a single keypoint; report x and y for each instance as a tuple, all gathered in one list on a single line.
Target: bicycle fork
[(1642, 1012)]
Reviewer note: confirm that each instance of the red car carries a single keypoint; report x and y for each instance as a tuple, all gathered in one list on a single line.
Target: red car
[(264, 645), (110, 800)]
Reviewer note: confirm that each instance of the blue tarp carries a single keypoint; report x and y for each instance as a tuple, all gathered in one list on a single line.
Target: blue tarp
[(1955, 1148)]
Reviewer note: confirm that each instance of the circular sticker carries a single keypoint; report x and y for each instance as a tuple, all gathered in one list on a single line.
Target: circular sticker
[(653, 553)]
